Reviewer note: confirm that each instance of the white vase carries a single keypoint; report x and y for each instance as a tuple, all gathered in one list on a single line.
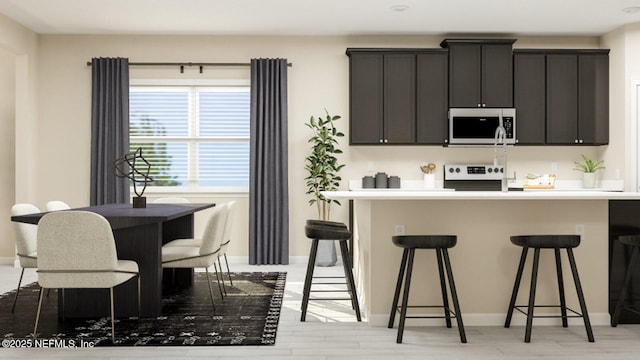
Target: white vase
[(589, 180), (429, 181)]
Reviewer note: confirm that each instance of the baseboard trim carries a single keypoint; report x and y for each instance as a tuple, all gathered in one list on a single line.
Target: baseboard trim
[(7, 260), (245, 259), (596, 319)]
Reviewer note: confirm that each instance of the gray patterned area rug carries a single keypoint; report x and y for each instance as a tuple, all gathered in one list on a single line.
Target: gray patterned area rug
[(248, 315)]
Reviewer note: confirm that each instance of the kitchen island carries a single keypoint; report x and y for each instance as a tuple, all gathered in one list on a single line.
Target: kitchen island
[(484, 260)]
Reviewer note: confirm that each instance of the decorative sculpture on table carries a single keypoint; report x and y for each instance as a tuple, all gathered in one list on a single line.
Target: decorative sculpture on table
[(138, 174)]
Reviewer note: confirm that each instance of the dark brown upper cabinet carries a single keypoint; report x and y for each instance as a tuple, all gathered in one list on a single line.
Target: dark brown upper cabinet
[(480, 72), (529, 98), (561, 96), (397, 96)]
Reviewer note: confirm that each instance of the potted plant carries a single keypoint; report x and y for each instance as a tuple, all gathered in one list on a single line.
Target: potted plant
[(322, 166), (589, 168)]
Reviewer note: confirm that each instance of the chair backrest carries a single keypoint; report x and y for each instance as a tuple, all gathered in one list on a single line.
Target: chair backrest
[(57, 205), (228, 225), (212, 236), (26, 234), (171, 200), (75, 240)]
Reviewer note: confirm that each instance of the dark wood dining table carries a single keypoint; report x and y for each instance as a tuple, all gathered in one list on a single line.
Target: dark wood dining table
[(139, 235)]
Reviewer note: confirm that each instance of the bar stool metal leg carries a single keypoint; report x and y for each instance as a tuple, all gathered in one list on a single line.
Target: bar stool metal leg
[(583, 305), (405, 296), (516, 287), (625, 286), (563, 303), (396, 296), (443, 286), (454, 295), (532, 294), (307, 282), (351, 284)]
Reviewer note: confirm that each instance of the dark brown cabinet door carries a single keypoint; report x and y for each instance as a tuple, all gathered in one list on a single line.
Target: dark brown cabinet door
[(366, 94), (465, 75), (432, 107), (497, 75), (593, 99), (399, 98), (529, 98), (562, 99)]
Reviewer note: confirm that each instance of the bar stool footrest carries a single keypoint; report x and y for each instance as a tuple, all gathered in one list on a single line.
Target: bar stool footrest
[(577, 314)]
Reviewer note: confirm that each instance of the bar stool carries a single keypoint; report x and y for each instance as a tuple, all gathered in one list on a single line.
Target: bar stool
[(439, 243), (317, 230), (634, 242), (555, 242)]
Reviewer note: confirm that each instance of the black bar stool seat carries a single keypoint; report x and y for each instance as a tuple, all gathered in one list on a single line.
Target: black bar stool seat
[(318, 230), (634, 242), (439, 243), (555, 242)]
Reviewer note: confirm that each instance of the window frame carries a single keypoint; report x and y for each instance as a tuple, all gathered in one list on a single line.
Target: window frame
[(191, 138)]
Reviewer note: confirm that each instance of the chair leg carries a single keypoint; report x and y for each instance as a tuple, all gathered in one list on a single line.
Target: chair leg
[(563, 303), (532, 295), (454, 295), (113, 321), (210, 288), (139, 299), (625, 286), (516, 287), (583, 305), (351, 284), (396, 296), (308, 278), (35, 327), (443, 287), (405, 296), (226, 261), (17, 291), (64, 316), (220, 278)]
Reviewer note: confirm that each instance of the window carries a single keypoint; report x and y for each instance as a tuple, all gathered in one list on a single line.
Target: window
[(196, 138)]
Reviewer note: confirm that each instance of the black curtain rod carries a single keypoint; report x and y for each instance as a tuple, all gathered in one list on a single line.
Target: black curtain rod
[(183, 64)]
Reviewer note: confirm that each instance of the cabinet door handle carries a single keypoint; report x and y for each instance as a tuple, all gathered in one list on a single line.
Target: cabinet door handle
[(386, 141), (580, 141), (380, 141), (575, 141), (484, 105), (479, 105)]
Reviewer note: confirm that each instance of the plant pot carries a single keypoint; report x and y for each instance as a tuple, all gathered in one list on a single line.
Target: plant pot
[(429, 181), (326, 253), (589, 180)]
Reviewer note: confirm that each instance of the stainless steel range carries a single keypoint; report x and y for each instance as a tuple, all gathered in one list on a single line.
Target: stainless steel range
[(473, 177)]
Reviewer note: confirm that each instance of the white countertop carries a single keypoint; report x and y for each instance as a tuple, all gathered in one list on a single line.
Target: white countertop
[(566, 191), (399, 194)]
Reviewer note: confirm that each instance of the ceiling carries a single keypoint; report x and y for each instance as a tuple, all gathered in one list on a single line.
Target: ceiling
[(322, 17)]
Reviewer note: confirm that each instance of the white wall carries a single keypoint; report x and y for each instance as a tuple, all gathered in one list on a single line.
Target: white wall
[(18, 56), (317, 80)]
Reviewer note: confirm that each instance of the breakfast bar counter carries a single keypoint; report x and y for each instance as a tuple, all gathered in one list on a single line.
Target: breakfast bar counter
[(484, 260)]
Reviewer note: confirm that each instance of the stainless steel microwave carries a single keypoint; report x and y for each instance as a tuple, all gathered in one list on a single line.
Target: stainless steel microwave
[(477, 126)]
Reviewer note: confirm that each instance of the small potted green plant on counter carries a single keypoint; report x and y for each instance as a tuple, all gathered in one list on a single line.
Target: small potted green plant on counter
[(589, 168)]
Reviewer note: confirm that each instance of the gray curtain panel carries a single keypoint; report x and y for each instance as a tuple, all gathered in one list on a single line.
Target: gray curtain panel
[(109, 128), (268, 194)]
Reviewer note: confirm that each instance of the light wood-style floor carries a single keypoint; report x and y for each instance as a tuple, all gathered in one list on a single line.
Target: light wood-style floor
[(331, 333)]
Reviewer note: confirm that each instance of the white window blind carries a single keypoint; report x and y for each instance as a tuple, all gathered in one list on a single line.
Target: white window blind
[(195, 137)]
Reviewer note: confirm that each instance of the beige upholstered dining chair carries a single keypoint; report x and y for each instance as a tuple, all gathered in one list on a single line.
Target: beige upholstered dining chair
[(226, 238), (57, 205), (202, 256), (76, 249), (25, 235)]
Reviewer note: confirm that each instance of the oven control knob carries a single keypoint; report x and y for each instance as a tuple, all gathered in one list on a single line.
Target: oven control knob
[(496, 170), (501, 170), (457, 170), (451, 170), (490, 170)]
